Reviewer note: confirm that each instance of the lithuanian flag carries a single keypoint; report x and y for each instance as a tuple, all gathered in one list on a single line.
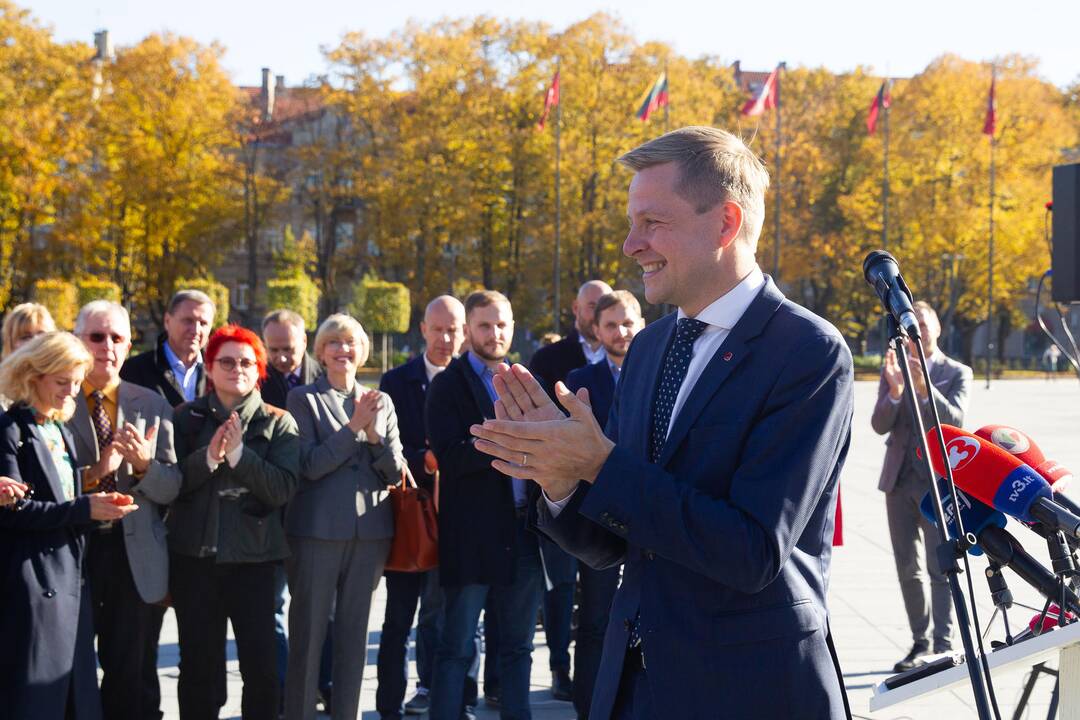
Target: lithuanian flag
[(654, 98)]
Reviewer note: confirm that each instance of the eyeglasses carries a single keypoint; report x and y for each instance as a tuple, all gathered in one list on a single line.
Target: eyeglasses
[(99, 337), (230, 363)]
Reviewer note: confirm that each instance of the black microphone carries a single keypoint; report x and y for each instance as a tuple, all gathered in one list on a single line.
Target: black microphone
[(882, 272)]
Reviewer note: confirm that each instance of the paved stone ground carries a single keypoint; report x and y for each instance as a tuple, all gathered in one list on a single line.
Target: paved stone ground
[(868, 619)]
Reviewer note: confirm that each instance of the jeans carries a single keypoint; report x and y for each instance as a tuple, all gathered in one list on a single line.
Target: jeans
[(515, 607), (404, 591), (205, 595)]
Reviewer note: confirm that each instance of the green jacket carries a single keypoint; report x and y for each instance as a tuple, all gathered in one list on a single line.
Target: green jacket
[(234, 513)]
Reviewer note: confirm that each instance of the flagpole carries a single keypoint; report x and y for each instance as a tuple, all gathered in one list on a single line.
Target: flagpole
[(558, 199), (885, 195), (667, 105), (990, 257), (777, 211)]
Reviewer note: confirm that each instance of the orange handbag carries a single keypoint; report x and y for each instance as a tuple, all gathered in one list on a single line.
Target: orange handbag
[(416, 527)]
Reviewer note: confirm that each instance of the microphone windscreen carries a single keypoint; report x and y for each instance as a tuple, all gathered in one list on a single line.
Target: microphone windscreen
[(988, 473), (1026, 450), (975, 515), (1050, 621)]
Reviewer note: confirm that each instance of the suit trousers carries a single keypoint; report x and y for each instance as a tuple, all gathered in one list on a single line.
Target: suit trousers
[(330, 576), (597, 591), (122, 622), (205, 595), (914, 542), (632, 700)]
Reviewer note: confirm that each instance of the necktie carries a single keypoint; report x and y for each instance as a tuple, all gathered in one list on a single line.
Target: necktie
[(293, 380), (675, 364), (104, 432)]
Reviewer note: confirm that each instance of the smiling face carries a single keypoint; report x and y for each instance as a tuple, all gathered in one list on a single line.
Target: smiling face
[(108, 338), (680, 251), (618, 326), (490, 331), (339, 355), (54, 393), (235, 372)]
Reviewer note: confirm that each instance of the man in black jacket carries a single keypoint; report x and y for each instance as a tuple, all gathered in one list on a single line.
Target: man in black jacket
[(289, 365), (550, 365), (443, 329), (484, 544), (173, 369)]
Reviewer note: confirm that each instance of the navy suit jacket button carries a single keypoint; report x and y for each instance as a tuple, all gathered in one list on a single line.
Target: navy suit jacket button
[(49, 593), (650, 555)]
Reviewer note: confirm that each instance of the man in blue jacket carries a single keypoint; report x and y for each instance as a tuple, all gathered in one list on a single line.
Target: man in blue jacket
[(716, 482)]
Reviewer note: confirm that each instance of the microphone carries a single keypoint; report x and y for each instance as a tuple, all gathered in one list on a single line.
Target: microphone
[(1023, 447), (995, 477), (882, 272), (997, 543)]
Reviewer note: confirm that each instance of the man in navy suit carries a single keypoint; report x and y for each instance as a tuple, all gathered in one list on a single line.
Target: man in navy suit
[(616, 321), (716, 482), (552, 364)]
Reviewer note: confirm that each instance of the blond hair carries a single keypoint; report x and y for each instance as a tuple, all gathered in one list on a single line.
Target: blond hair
[(21, 318), (338, 326), (47, 354), (625, 298), (714, 166)]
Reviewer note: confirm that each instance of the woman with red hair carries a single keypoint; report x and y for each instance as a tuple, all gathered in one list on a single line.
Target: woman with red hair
[(240, 460)]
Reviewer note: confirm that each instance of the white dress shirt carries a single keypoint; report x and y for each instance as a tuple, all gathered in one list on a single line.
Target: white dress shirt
[(720, 316), (431, 368), (591, 355)]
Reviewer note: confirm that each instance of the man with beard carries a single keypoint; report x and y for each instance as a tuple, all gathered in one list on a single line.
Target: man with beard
[(484, 544), (616, 322), (552, 364)]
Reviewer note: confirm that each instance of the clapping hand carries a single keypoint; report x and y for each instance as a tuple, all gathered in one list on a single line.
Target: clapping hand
[(226, 438), (105, 507), (135, 447), (365, 411), (894, 376)]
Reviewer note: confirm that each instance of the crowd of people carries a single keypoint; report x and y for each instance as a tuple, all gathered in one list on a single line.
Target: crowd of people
[(221, 472)]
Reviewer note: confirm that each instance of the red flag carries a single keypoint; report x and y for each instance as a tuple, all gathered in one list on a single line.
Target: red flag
[(551, 99), (990, 123), (765, 99), (882, 101)]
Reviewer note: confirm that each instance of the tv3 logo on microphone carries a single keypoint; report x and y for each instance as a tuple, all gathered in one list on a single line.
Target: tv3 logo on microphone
[(961, 451)]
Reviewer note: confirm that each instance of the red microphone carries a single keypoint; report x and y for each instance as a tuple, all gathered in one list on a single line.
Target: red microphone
[(1023, 447)]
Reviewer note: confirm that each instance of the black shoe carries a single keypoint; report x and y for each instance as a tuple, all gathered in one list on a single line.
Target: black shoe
[(418, 705), (325, 697), (912, 658), (562, 687)]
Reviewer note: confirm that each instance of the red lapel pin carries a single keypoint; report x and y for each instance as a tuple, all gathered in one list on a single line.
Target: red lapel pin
[(728, 356)]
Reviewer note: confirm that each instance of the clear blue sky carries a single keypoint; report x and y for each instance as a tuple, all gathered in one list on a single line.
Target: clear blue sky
[(900, 37)]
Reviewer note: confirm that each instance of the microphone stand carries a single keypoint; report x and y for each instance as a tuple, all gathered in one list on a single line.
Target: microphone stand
[(948, 550), (1001, 596)]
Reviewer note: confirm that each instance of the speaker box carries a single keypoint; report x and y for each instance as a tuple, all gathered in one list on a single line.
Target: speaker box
[(1066, 239)]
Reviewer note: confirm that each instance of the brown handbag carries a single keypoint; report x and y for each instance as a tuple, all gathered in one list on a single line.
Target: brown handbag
[(416, 528)]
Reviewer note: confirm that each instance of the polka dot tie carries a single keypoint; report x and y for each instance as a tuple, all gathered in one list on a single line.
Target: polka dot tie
[(676, 363)]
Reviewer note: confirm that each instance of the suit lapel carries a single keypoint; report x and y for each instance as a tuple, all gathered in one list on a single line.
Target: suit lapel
[(731, 353), (642, 403), (326, 397), (45, 460), (477, 388), (83, 425)]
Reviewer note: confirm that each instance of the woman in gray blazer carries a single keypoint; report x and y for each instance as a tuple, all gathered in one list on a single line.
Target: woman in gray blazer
[(340, 523)]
